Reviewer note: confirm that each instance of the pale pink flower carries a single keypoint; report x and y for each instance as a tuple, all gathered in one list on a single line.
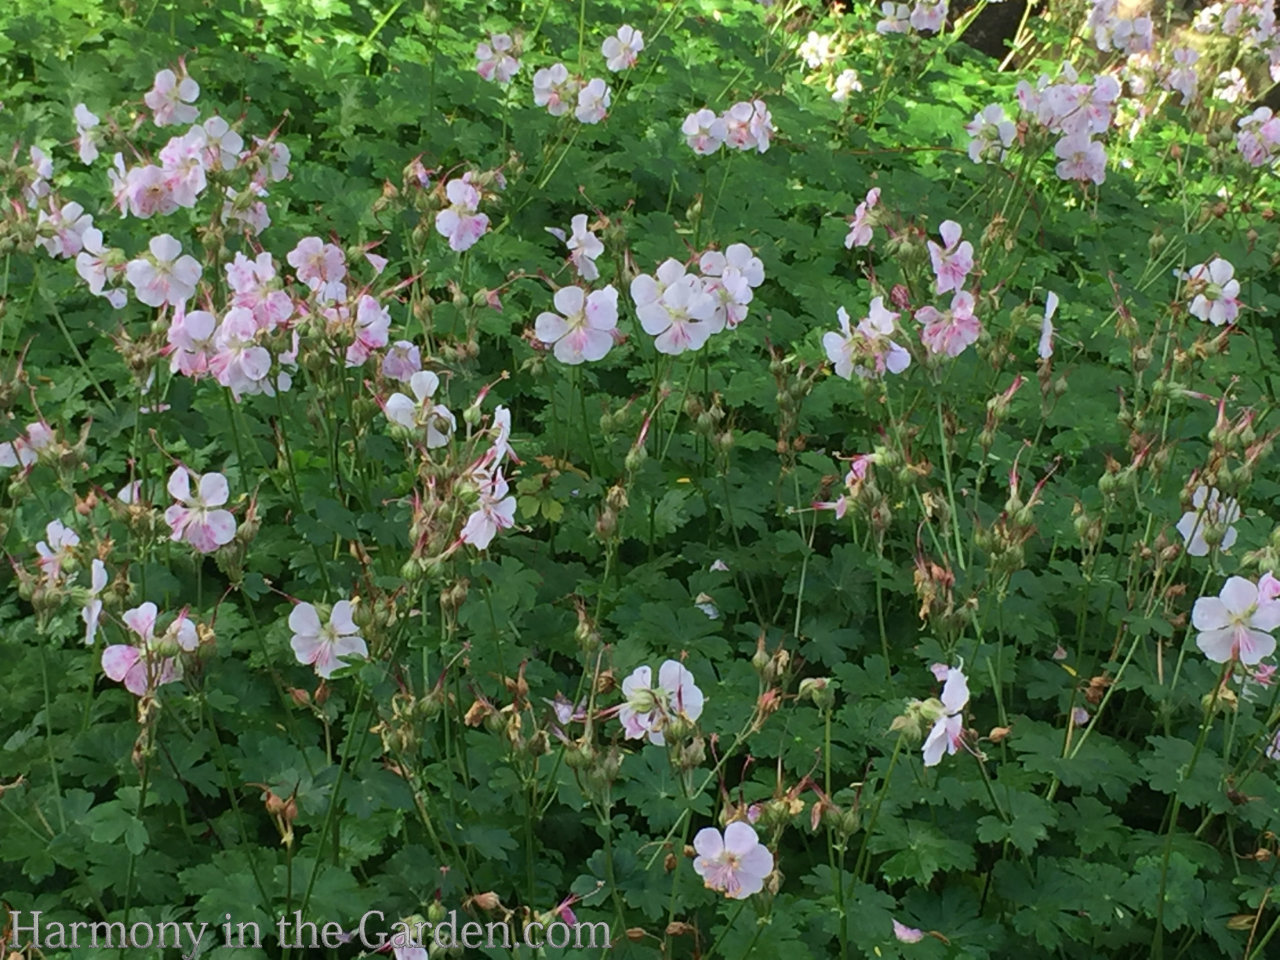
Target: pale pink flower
[(1216, 291), (583, 328), (674, 308), (183, 162), (96, 264), (61, 230), (928, 17), (325, 646), (1208, 507), (1183, 78), (554, 89), (139, 665), (321, 266), (704, 132), (950, 332), (167, 276), (649, 709), (896, 18), (373, 323), (459, 223), (1079, 717), (222, 145), (170, 99), (735, 863), (948, 730), (496, 511), (584, 246), (620, 51), (748, 124), (846, 83), (1080, 158), (860, 227), (401, 361), (241, 363), (91, 612), (869, 340), (191, 337), (87, 135), (502, 449), (1235, 625), (992, 134), (24, 450), (41, 170), (1045, 349), (1273, 748), (421, 413), (56, 549), (494, 60), (593, 102), (904, 934), (939, 671), (1259, 138), (953, 262), (197, 517)]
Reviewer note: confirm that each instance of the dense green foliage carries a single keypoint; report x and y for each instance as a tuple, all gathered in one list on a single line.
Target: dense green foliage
[(1114, 795)]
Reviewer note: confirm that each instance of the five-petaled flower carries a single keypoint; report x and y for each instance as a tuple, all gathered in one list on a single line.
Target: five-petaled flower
[(1216, 291), (953, 262), (325, 646), (197, 517), (620, 51), (166, 276), (1236, 624), (583, 328), (170, 98), (734, 863)]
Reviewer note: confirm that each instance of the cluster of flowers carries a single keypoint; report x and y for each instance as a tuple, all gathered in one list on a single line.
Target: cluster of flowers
[(868, 350), (1259, 138), (258, 328), (821, 50), (558, 90), (1252, 20), (921, 16), (148, 189), (1113, 31), (1073, 110), (743, 126), (681, 310)]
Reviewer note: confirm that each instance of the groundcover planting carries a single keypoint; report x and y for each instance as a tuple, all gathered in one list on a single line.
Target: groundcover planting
[(651, 480)]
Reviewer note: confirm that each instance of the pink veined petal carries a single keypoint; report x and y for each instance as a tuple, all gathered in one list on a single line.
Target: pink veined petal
[(136, 680), (950, 232), (602, 309), (221, 525), (213, 490), (118, 659), (304, 620), (1267, 616), (1255, 646), (308, 648), (141, 620)]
